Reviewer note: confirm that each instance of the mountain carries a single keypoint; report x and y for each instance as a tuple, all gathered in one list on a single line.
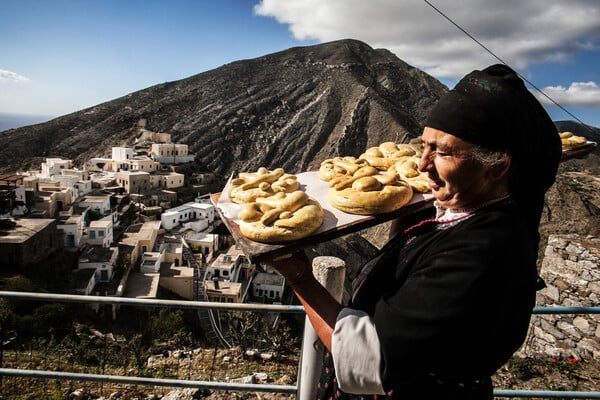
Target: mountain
[(290, 109)]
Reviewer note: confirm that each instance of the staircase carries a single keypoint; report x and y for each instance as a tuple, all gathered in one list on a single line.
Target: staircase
[(209, 319)]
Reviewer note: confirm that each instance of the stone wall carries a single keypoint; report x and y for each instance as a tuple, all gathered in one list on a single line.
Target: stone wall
[(570, 270)]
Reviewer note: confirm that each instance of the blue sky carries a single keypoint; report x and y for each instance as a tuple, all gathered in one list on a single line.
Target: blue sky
[(60, 56)]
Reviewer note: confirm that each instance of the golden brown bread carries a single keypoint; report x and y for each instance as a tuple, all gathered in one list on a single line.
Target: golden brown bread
[(249, 186), (368, 192), (569, 140), (368, 196), (408, 170), (282, 217)]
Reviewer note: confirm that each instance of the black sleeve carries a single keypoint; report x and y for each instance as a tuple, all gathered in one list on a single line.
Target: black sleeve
[(464, 307)]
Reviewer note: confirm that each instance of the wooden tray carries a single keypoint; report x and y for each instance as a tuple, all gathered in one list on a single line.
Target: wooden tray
[(335, 224), (578, 151)]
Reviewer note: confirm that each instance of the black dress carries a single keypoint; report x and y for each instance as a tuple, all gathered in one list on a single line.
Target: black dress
[(451, 302)]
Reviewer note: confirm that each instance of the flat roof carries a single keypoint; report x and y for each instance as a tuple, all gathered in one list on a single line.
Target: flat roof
[(142, 286), (24, 229), (96, 254)]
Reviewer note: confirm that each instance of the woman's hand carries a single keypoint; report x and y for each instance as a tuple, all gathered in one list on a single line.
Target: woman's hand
[(321, 309), (296, 268)]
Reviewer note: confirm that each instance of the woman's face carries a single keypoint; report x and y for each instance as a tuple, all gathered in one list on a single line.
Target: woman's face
[(455, 178)]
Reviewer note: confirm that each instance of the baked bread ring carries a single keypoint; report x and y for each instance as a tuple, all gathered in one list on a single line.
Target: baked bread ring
[(568, 140), (249, 186), (337, 166), (384, 156), (369, 192), (282, 217), (409, 171), (368, 195)]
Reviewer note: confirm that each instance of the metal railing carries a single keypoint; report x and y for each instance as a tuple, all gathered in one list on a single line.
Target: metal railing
[(233, 386)]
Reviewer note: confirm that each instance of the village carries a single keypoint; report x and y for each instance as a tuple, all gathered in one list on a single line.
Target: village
[(126, 221)]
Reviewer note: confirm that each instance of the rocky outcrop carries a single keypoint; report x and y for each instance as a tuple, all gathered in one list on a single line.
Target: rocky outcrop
[(570, 270)]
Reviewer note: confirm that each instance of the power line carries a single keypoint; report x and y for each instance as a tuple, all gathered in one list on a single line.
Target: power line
[(502, 61)]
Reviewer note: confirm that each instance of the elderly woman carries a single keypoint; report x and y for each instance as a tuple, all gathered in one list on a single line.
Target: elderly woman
[(447, 300)]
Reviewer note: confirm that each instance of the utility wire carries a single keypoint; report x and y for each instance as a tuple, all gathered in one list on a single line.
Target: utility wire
[(502, 61)]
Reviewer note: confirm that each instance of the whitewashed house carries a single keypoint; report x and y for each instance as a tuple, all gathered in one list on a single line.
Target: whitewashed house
[(98, 203), (100, 233), (72, 226), (204, 243), (100, 259), (191, 211), (54, 166), (122, 153), (268, 285), (151, 261)]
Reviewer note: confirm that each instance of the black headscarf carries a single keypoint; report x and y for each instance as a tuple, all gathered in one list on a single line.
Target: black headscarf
[(493, 109)]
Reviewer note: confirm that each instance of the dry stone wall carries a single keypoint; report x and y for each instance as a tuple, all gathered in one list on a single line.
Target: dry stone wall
[(570, 270)]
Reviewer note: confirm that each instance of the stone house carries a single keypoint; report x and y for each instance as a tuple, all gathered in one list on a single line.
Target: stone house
[(140, 163), (167, 180), (62, 197), (174, 275), (138, 239), (133, 182), (223, 291), (27, 241), (171, 153), (154, 137)]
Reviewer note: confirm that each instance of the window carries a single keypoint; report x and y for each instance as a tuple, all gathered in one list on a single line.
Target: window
[(92, 234), (100, 233)]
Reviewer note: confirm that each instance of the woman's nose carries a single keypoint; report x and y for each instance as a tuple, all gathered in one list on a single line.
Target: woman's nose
[(424, 161)]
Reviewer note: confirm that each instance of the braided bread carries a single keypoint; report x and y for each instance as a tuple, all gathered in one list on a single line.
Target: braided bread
[(249, 186), (282, 217)]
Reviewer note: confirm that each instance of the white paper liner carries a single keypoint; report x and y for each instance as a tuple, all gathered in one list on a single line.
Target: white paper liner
[(316, 188)]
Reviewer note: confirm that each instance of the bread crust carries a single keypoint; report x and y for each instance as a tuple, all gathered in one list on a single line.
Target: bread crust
[(569, 140), (366, 199), (283, 217), (249, 186)]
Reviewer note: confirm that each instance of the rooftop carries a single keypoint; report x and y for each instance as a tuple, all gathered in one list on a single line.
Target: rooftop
[(24, 229)]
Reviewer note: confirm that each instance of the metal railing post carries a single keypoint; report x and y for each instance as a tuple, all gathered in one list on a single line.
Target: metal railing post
[(331, 273)]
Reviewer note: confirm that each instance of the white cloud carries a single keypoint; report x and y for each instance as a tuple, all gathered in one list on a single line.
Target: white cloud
[(581, 94), (12, 76), (520, 32)]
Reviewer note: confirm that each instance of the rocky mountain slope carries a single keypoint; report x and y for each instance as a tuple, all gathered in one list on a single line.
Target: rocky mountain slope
[(291, 109)]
